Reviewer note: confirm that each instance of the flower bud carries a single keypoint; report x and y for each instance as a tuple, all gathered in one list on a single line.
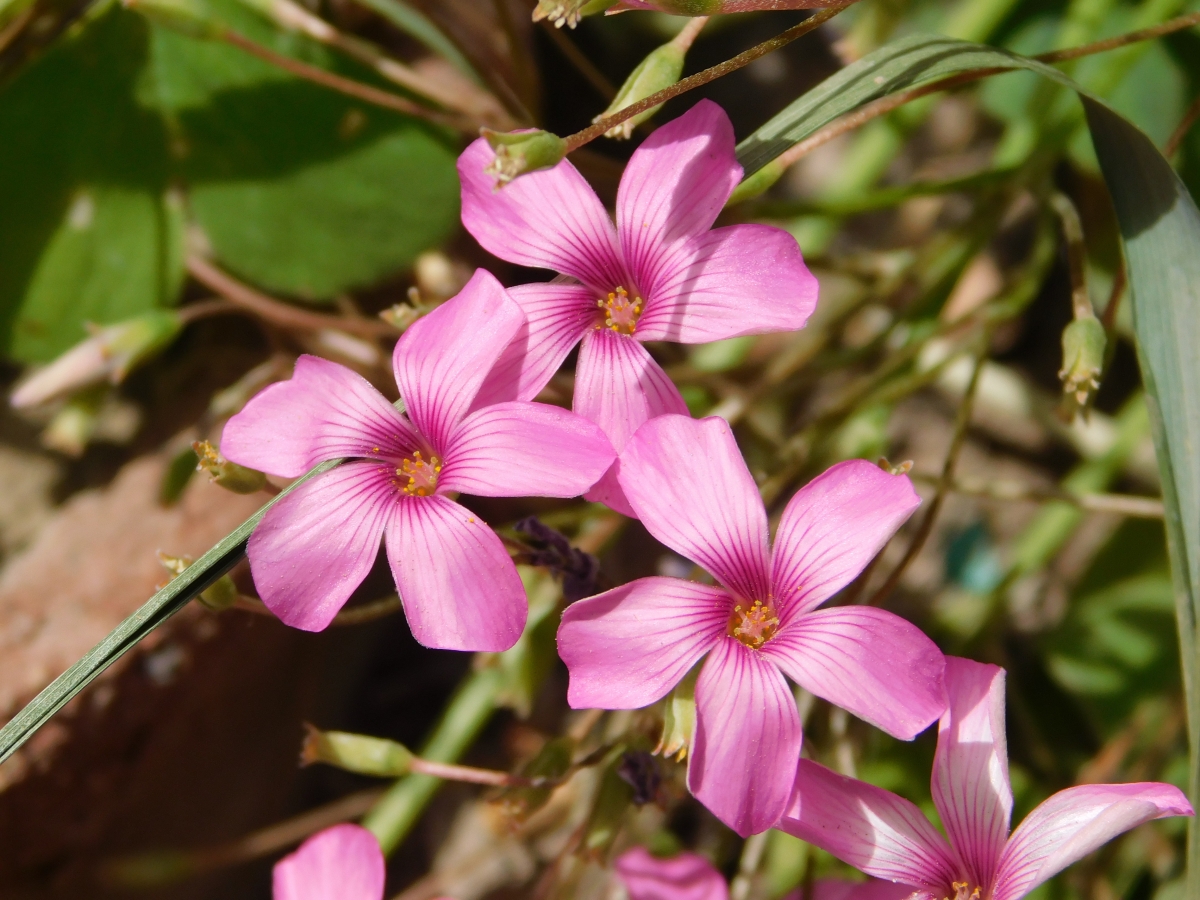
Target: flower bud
[(228, 475), (190, 17), (679, 718), (757, 183), (221, 595), (659, 70), (569, 12), (356, 753), (1084, 343), (518, 152), (109, 354)]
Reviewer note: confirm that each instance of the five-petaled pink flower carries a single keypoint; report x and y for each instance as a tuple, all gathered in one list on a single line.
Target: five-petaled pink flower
[(888, 837), (627, 648), (662, 274), (340, 863), (689, 876), (459, 587)]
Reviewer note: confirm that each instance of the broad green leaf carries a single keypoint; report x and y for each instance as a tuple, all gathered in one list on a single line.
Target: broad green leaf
[(298, 189), (86, 230), (1160, 226)]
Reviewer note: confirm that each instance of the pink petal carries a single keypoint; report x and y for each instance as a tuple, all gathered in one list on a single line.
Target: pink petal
[(608, 491), (744, 279), (675, 185), (442, 360), (687, 482), (869, 828), (618, 386), (626, 648), (324, 411), (317, 544), (342, 862), (874, 889), (747, 739), (687, 876), (868, 661), (1073, 823), (832, 528), (551, 219), (524, 450), (971, 789), (459, 587), (557, 315)]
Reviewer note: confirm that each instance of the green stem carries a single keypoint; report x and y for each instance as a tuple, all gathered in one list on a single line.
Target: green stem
[(393, 817)]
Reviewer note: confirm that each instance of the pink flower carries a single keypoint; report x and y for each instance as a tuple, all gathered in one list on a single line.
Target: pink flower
[(315, 546), (662, 274), (340, 863), (888, 837), (626, 648), (689, 876)]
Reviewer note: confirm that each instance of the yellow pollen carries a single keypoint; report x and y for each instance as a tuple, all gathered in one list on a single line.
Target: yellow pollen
[(620, 313), (422, 476), (963, 891), (754, 626)]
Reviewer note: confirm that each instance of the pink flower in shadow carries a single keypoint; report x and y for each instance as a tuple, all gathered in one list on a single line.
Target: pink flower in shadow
[(628, 647), (459, 587), (689, 876), (661, 274), (340, 863), (888, 837)]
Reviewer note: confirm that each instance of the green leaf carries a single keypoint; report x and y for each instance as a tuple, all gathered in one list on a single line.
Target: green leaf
[(1160, 226), (87, 232), (298, 189)]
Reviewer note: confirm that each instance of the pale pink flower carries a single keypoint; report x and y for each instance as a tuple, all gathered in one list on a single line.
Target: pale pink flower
[(689, 876), (661, 274), (340, 863), (686, 876), (459, 587), (888, 837), (628, 647)]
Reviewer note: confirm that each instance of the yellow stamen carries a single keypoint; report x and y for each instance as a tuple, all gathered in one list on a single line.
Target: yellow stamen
[(620, 313), (422, 476), (754, 626)]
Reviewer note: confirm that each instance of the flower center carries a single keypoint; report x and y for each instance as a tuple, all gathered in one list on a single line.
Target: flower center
[(620, 313), (422, 476), (754, 626), (964, 891)]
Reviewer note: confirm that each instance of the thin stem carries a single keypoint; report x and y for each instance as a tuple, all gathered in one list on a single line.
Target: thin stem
[(753, 852), (367, 612), (589, 134), (276, 311), (397, 811), (579, 60), (1120, 281), (1119, 504), (1121, 40), (1189, 119), (347, 86), (1072, 226), (473, 775), (203, 309), (884, 105), (292, 15), (156, 869), (943, 488)]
